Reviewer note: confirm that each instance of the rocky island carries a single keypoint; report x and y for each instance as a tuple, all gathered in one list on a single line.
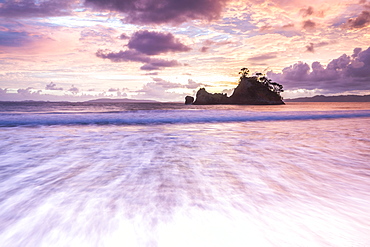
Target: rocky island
[(251, 90)]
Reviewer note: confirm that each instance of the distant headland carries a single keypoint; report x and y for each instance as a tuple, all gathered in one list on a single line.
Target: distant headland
[(339, 98), (251, 90), (108, 100)]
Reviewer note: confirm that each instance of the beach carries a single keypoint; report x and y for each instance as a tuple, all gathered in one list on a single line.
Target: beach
[(78, 174)]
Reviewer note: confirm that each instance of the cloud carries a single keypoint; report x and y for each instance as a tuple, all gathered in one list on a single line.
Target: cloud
[(28, 91), (3, 91), (157, 63), (204, 49), (287, 26), (144, 44), (166, 84), (360, 21), (152, 73), (166, 90), (154, 43), (160, 89), (164, 11), (263, 57), (34, 8), (307, 11), (74, 90), (356, 51), (135, 56), (309, 25), (52, 86), (10, 38), (345, 73), (123, 56), (124, 36), (311, 47), (208, 43), (310, 11), (193, 84), (73, 94), (98, 35), (117, 91)]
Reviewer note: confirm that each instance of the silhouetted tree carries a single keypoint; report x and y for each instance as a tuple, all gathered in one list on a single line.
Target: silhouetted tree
[(244, 72), (261, 78)]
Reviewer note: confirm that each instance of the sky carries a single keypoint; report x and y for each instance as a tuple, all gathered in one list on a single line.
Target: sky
[(163, 50)]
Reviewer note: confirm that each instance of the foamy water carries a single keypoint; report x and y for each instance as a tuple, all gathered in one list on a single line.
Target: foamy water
[(185, 177)]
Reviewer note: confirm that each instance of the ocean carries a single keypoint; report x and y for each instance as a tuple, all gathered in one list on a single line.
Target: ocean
[(169, 174)]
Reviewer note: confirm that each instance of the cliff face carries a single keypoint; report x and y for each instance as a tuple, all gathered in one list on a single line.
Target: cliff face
[(205, 98), (248, 92)]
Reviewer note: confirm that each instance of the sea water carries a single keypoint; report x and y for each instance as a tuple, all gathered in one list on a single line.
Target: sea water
[(113, 174)]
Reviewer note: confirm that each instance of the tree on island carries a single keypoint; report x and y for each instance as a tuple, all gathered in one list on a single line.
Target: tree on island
[(244, 72), (261, 78)]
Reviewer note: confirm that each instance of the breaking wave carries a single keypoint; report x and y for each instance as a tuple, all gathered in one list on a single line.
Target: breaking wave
[(167, 117)]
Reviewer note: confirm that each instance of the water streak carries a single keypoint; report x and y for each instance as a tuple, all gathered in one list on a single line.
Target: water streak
[(246, 183)]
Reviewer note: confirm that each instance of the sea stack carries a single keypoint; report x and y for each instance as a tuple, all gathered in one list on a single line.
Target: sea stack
[(253, 90), (189, 100)]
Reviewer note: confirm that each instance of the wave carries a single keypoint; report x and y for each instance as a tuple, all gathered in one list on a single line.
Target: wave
[(168, 117)]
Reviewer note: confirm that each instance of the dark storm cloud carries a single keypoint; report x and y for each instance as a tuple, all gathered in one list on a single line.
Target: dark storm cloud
[(162, 11), (343, 74), (360, 21), (33, 8), (154, 43)]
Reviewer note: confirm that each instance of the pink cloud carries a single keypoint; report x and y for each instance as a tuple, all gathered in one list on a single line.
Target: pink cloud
[(166, 11), (33, 8), (362, 20), (154, 43), (342, 74)]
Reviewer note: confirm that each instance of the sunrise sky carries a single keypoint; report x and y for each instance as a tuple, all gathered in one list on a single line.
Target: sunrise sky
[(166, 49)]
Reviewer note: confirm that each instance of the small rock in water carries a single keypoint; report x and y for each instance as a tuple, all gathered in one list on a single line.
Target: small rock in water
[(189, 100)]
